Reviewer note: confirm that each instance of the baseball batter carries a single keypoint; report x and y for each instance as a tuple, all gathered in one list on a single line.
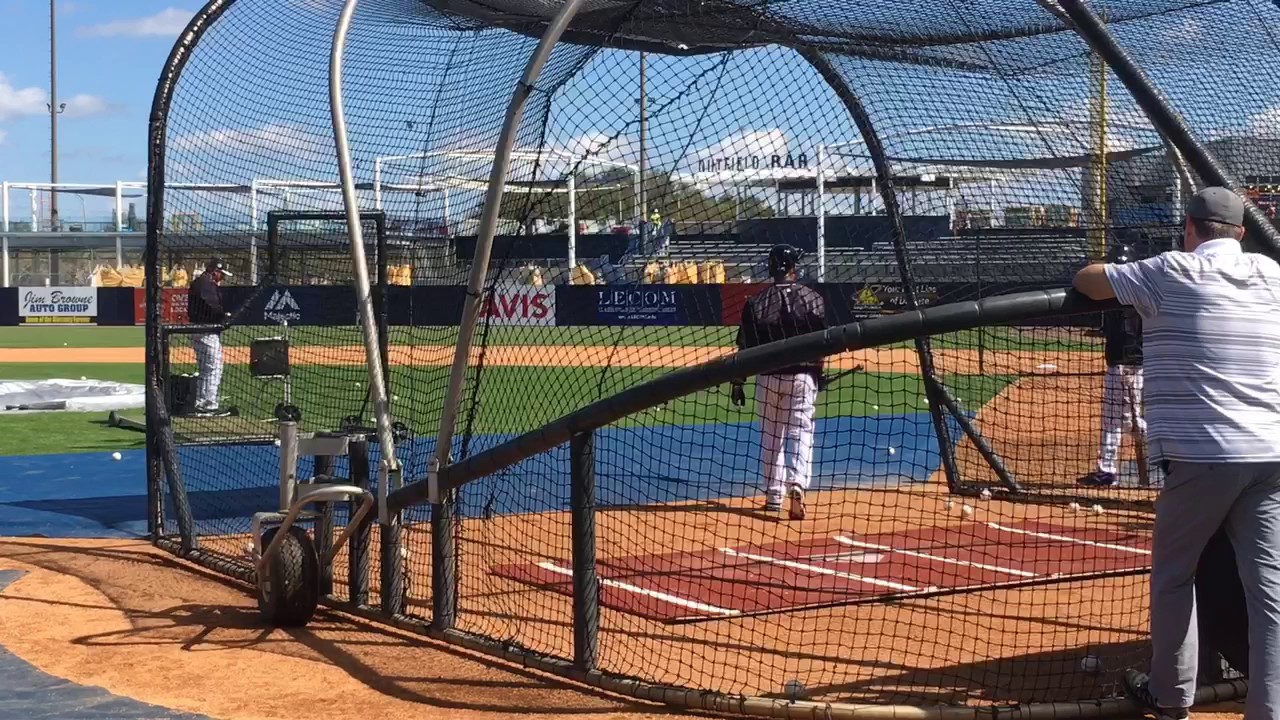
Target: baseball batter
[(784, 398), (1121, 388)]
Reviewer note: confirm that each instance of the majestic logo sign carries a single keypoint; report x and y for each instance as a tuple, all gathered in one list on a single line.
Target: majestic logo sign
[(281, 307), (58, 304), (511, 304)]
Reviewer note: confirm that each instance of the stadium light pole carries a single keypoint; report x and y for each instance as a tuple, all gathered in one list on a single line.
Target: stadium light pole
[(642, 200), (54, 111)]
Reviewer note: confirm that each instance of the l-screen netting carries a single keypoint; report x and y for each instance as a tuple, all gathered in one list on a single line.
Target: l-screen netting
[(291, 341)]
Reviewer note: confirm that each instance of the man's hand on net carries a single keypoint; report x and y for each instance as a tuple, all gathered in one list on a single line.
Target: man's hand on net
[(737, 394)]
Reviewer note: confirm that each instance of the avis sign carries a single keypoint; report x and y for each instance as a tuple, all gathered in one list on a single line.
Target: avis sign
[(57, 305), (510, 304)]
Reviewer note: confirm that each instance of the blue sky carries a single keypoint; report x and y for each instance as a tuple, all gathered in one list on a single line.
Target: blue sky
[(109, 55)]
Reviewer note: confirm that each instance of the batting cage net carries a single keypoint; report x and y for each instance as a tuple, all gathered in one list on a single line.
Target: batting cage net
[(864, 503)]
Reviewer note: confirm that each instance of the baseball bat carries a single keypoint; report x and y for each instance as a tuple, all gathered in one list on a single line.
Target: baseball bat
[(829, 379), (1140, 453)]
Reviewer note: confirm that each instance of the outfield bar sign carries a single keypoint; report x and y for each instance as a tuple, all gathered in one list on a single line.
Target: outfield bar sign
[(57, 305)]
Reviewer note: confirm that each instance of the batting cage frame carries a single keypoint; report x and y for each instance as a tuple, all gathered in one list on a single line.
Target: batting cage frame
[(401, 520)]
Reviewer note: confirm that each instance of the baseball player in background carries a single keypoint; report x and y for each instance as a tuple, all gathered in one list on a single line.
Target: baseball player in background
[(204, 306), (1121, 389), (784, 398)]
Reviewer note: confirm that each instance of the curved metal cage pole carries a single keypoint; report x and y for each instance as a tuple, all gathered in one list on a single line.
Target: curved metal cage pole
[(484, 237), (359, 266)]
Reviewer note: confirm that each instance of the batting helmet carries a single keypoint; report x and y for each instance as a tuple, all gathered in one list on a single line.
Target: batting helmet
[(1119, 254), (783, 259)]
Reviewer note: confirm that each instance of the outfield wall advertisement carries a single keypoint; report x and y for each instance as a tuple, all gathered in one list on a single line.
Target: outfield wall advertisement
[(511, 304), (57, 305), (504, 305)]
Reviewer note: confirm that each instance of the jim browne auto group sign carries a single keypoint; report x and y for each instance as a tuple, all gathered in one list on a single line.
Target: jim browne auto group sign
[(77, 305)]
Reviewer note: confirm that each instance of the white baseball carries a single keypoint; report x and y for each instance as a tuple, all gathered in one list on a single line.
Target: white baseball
[(1090, 664), (1097, 509), (116, 456), (948, 505), (875, 407), (966, 510), (276, 442), (893, 451), (986, 494), (1074, 507), (794, 689), (83, 377)]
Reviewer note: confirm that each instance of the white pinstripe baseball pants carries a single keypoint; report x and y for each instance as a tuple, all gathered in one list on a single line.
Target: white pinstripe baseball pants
[(786, 406), (208, 349), (1121, 411)]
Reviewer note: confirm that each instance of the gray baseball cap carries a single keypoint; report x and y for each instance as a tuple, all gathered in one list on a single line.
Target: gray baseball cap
[(1217, 204)]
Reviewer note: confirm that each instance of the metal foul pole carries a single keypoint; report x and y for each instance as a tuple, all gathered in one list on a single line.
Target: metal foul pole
[(484, 239), (360, 266)]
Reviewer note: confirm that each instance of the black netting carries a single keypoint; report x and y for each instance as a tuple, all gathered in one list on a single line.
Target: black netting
[(914, 154)]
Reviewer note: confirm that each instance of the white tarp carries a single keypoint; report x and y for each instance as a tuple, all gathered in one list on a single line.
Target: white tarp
[(82, 395)]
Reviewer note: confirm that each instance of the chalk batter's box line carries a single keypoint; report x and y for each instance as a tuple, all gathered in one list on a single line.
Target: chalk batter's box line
[(706, 610)]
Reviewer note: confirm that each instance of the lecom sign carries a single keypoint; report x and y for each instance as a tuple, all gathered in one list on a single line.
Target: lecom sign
[(511, 304)]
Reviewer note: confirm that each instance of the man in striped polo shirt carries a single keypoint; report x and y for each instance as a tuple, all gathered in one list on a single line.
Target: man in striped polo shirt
[(1211, 331)]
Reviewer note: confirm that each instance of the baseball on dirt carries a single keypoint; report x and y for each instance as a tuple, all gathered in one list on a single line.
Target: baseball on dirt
[(947, 505), (1074, 507), (1090, 664), (794, 689), (116, 456), (1097, 509), (966, 510), (986, 494)]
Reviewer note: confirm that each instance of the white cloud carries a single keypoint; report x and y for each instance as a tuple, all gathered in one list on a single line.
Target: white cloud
[(169, 22), (272, 139), (1265, 123), (33, 101), (85, 106), (21, 102), (2, 137)]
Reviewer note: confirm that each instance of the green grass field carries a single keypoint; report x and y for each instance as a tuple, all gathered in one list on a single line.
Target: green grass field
[(90, 337), (513, 399)]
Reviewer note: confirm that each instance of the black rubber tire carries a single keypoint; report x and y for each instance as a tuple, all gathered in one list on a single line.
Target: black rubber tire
[(288, 595), (401, 432), (113, 419)]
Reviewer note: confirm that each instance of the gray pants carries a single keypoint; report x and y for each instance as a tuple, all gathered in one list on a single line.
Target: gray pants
[(1196, 500), (209, 368)]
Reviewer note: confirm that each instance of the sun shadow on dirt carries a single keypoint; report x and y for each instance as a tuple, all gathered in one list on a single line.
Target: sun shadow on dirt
[(213, 614)]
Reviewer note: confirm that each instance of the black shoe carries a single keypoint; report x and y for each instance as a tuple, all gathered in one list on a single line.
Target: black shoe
[(1137, 687), (1097, 479)]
